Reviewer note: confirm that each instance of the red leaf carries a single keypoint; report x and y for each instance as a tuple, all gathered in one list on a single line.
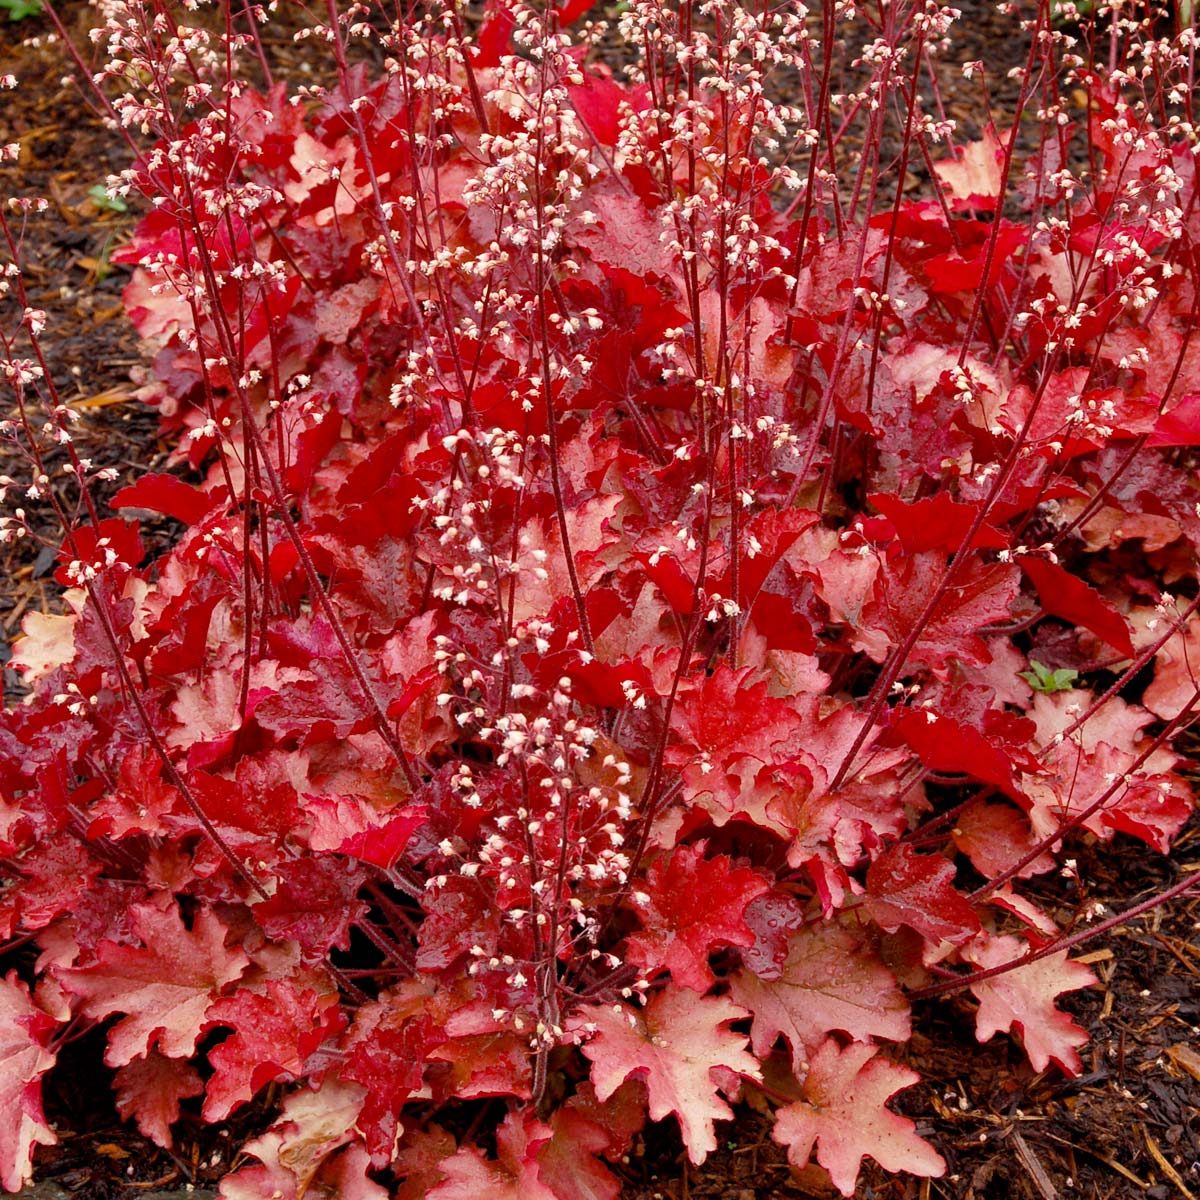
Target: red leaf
[(722, 719), (149, 1090), (353, 827), (495, 34), (773, 918), (1180, 426), (572, 10), (979, 595), (844, 1113), (939, 523), (275, 1032), (118, 537), (314, 903), (24, 1059), (458, 916), (943, 744), (169, 495), (917, 890), (386, 1051), (675, 1044), (597, 101), (677, 933), (1069, 597), (163, 987)]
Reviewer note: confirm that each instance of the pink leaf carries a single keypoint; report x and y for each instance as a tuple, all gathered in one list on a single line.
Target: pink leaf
[(1176, 673), (568, 1162), (674, 1044), (301, 1146), (1023, 999), (513, 1175), (973, 178), (844, 1113), (24, 1059), (163, 987), (47, 641), (149, 1090), (831, 981)]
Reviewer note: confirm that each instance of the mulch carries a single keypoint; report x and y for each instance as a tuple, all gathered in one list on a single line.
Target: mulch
[(1128, 1127)]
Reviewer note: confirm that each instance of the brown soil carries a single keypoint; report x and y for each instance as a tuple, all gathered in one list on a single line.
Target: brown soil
[(1130, 1126)]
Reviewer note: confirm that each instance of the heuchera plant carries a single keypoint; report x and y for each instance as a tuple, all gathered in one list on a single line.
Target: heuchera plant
[(624, 540)]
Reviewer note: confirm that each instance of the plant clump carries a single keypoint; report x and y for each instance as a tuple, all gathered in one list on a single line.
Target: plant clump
[(648, 592)]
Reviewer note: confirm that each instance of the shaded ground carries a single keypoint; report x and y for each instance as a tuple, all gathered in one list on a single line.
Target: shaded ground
[(1129, 1127)]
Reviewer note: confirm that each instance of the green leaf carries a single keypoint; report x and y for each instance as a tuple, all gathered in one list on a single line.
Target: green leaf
[(99, 193), (18, 10), (1042, 679)]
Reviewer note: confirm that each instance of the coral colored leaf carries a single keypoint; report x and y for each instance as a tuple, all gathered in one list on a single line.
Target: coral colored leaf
[(1071, 598), (149, 1090), (973, 178), (169, 495), (674, 1044), (24, 1059), (513, 1175), (831, 981), (917, 890), (568, 1162), (164, 987), (301, 1146), (995, 837), (274, 1033), (47, 641), (677, 933), (1023, 999), (844, 1113)]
